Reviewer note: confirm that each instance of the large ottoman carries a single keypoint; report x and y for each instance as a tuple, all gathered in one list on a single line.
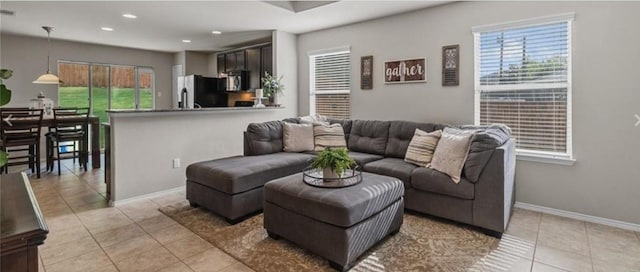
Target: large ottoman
[(337, 224)]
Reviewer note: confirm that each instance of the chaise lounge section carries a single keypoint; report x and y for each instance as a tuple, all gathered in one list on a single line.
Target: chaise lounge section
[(484, 197)]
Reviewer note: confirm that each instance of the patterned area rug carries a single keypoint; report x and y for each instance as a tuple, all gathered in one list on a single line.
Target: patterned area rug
[(423, 244)]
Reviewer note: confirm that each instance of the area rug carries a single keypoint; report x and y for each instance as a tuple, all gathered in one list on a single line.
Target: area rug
[(423, 244)]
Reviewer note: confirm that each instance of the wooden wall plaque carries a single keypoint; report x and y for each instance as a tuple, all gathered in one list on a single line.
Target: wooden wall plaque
[(366, 73), (451, 65)]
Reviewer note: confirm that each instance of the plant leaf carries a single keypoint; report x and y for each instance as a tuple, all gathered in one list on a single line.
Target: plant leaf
[(3, 158), (5, 95), (5, 73)]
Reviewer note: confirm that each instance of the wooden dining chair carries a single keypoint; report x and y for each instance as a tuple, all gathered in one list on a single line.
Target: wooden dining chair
[(70, 125), (19, 134)]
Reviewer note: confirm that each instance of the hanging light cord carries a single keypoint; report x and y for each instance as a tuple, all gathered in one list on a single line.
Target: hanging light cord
[(48, 29)]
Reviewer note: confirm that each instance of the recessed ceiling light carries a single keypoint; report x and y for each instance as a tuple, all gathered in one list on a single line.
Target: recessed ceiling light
[(129, 15), (216, 32), (186, 41), (107, 28)]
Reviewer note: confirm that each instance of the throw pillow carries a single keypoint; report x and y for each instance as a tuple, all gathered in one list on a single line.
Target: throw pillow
[(451, 152), (315, 119), (421, 147), (329, 136), (297, 137)]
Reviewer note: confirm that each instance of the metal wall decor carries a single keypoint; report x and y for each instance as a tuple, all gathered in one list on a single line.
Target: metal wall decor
[(366, 73), (451, 65)]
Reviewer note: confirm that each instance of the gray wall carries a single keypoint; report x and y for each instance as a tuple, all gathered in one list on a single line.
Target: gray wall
[(604, 180), (26, 56)]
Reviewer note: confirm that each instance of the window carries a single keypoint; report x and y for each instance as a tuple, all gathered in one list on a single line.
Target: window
[(104, 86), (330, 80), (523, 80)]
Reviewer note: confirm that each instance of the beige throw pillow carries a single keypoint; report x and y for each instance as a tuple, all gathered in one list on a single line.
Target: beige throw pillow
[(315, 119), (451, 152), (297, 137), (421, 147), (329, 136)]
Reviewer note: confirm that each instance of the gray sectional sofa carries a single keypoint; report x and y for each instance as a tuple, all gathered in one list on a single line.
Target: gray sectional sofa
[(233, 187)]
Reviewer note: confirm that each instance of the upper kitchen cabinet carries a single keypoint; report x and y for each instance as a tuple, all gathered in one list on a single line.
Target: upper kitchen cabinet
[(256, 59)]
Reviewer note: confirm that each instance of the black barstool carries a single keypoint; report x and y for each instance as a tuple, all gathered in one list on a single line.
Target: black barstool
[(20, 133), (69, 126)]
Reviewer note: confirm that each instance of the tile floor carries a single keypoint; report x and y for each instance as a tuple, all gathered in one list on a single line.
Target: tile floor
[(87, 235)]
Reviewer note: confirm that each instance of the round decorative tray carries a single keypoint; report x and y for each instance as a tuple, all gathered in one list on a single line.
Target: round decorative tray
[(313, 177)]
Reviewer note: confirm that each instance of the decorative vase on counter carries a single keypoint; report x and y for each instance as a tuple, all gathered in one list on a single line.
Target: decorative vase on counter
[(276, 100)]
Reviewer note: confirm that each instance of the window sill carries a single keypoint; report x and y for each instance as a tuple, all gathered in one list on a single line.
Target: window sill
[(550, 159)]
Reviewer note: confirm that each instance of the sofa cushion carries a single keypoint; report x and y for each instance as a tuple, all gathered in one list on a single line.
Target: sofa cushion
[(264, 138), (392, 167), (342, 207), (346, 126), (422, 146), (485, 140), (369, 136), (328, 136), (297, 137), (401, 133), (315, 119), (451, 152), (242, 173), (364, 158), (429, 180)]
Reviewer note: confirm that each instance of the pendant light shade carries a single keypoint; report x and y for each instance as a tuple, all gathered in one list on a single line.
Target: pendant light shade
[(48, 77)]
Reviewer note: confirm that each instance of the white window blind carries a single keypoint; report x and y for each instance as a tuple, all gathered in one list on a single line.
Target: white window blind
[(330, 78), (523, 77)]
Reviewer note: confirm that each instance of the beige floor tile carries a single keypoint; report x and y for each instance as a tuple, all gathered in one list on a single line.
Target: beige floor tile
[(91, 206), (211, 260), (119, 234), (63, 235), (516, 246), (188, 247), (616, 239), (157, 222), (40, 264), (638, 234), (521, 265), (169, 199), (101, 220), (614, 266), (524, 232), (63, 221), (129, 248), (604, 257), (540, 267), (563, 233), (93, 261), (64, 251), (176, 267), (237, 267), (563, 259), (152, 260), (140, 210), (172, 233), (84, 199)]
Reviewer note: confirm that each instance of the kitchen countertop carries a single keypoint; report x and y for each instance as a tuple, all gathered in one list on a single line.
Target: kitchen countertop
[(156, 112)]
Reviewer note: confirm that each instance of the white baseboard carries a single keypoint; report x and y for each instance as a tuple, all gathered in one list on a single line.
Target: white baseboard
[(579, 216), (147, 196)]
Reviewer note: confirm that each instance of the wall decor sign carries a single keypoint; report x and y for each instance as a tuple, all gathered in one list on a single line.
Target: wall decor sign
[(366, 73), (405, 71), (450, 65)]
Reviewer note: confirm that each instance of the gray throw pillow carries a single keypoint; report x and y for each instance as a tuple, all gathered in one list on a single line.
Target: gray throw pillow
[(329, 136), (315, 119), (451, 152), (297, 137), (421, 147)]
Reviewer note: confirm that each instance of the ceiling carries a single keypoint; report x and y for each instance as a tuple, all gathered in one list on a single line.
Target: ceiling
[(162, 25)]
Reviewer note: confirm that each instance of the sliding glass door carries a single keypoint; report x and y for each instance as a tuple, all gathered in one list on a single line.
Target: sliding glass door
[(105, 86)]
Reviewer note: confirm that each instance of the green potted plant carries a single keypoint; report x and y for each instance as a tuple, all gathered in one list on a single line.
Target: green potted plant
[(333, 162), (272, 87), (5, 97)]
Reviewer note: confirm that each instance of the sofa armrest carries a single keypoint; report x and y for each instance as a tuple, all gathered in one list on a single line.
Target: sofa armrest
[(495, 190)]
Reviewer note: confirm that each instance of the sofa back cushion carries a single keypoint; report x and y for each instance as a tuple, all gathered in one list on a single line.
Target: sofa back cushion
[(264, 138), (369, 136), (346, 126), (400, 134), (485, 140)]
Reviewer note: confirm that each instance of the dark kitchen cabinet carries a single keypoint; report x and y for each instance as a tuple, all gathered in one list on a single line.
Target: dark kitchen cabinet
[(221, 64), (254, 67), (266, 55), (230, 61), (240, 58)]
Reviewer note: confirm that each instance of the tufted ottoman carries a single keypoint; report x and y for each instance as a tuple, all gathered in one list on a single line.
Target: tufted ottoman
[(337, 224)]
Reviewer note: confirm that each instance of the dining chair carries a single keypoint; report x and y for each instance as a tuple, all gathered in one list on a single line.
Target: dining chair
[(20, 134), (69, 131)]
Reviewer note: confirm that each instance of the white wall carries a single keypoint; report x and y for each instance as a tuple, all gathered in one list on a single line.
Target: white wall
[(197, 63), (27, 56), (604, 180)]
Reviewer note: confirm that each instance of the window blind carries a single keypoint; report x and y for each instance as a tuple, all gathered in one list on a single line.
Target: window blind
[(331, 84), (522, 80)]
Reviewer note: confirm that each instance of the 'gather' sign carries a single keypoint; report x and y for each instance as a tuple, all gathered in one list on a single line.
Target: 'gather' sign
[(405, 71)]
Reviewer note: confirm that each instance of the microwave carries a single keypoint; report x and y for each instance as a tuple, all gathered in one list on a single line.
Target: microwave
[(237, 81)]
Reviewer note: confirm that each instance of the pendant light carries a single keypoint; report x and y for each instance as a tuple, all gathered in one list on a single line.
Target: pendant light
[(48, 77)]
